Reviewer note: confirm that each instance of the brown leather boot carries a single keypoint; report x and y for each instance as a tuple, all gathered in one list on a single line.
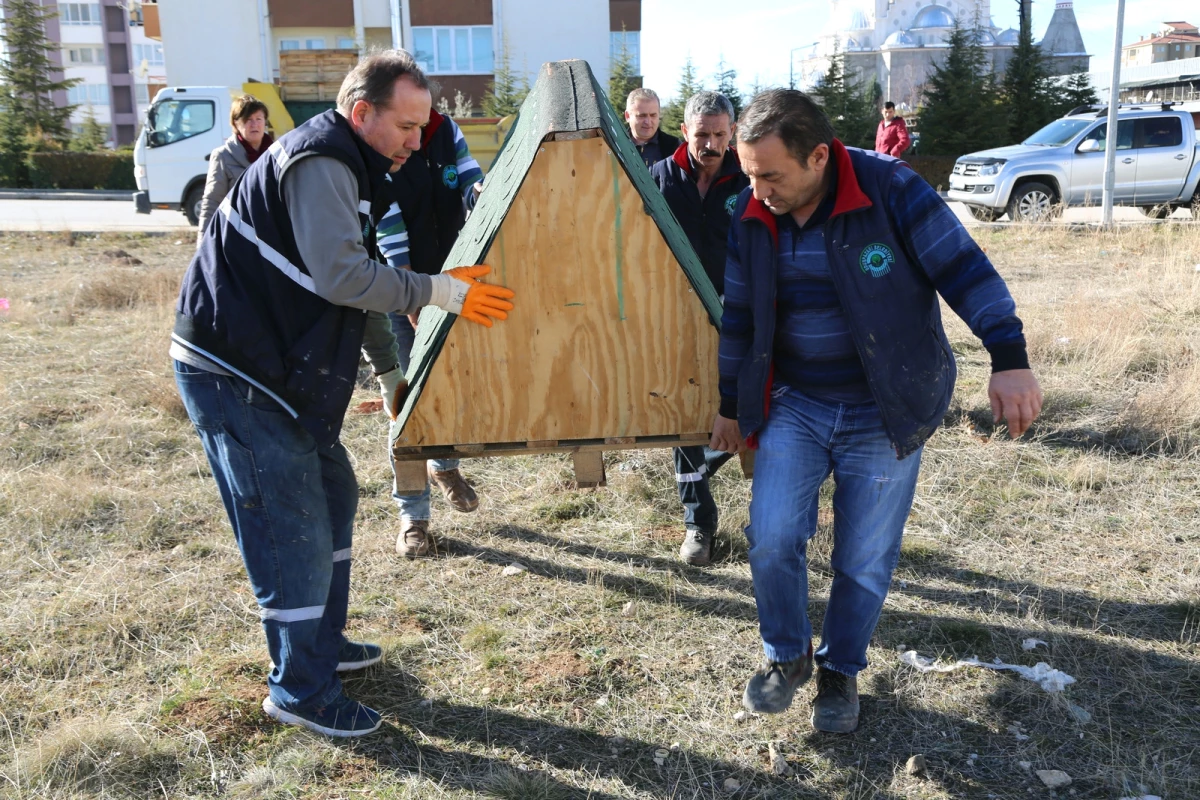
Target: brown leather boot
[(455, 489), (415, 540)]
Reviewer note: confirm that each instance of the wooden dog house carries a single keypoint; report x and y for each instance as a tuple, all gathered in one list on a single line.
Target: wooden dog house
[(613, 341)]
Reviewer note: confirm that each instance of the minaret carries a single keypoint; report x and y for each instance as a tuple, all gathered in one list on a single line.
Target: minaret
[(1063, 43)]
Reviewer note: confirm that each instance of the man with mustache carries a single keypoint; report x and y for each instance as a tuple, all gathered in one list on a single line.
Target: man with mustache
[(701, 183), (833, 361), (274, 309)]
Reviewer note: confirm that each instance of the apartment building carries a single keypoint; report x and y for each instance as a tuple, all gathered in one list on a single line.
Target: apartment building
[(1175, 41), (103, 44), (459, 42)]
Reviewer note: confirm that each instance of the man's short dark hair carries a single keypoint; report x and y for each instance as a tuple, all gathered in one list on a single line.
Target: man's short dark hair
[(890, 105), (792, 116), (373, 79)]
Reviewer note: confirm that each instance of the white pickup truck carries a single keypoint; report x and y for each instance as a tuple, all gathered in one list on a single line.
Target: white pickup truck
[(1062, 165)]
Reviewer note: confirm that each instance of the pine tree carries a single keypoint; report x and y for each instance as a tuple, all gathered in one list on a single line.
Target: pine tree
[(29, 73), (14, 145), (849, 104), (91, 137), (727, 85), (672, 115), (1076, 91), (622, 76), (505, 93), (1030, 96), (962, 101)]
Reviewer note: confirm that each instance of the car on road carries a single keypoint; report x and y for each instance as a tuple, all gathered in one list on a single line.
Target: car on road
[(1062, 165)]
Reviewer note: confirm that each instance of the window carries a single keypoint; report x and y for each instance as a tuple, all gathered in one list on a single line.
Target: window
[(457, 50), (174, 120), (289, 44), (314, 44), (632, 42), (79, 13), (83, 94), (1100, 133), (85, 56), (152, 54), (141, 94), (346, 43), (1160, 132)]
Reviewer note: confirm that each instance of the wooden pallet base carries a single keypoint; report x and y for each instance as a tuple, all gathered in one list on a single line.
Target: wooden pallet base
[(587, 455)]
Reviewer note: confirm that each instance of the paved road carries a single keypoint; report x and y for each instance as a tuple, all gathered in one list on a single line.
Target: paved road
[(90, 215), (87, 216)]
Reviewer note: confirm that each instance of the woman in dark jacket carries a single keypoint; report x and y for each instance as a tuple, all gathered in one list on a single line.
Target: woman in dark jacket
[(227, 163)]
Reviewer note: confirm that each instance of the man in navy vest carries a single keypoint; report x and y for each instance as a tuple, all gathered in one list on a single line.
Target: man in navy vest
[(701, 182), (275, 307), (833, 360)]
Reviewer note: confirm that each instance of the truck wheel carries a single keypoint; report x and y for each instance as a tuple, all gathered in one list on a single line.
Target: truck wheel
[(191, 203), (1157, 212), (983, 213), (1033, 202)]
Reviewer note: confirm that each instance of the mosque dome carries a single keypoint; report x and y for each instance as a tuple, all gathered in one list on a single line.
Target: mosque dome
[(898, 40), (852, 15), (1009, 38), (934, 16), (984, 38)]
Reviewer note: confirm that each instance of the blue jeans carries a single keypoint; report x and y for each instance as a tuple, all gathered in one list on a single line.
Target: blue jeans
[(412, 506), (802, 442), (693, 467), (291, 503)]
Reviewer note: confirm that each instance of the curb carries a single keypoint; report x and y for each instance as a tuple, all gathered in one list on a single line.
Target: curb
[(125, 195)]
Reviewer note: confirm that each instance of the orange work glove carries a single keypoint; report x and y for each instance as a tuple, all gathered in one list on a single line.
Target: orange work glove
[(478, 302)]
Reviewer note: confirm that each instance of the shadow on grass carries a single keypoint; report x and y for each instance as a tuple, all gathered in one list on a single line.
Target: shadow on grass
[(633, 587)]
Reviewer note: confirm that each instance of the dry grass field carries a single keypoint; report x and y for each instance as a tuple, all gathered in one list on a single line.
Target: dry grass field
[(132, 661)]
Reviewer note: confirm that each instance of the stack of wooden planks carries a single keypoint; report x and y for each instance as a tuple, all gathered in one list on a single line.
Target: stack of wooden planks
[(314, 75)]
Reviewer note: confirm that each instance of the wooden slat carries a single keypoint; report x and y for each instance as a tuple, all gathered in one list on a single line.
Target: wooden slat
[(747, 459), (541, 448), (607, 340), (589, 469), (410, 476)]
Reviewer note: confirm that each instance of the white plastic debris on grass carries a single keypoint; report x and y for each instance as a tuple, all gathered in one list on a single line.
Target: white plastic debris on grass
[(1030, 644), (1041, 673)]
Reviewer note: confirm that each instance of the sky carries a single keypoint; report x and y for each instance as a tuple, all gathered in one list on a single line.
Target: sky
[(757, 41)]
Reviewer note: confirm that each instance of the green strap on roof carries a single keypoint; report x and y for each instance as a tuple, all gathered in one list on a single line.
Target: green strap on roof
[(566, 98)]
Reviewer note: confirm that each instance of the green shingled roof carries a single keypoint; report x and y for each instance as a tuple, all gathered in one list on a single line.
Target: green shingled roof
[(566, 98)]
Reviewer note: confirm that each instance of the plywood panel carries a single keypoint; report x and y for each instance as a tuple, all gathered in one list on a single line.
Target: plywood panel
[(608, 338)]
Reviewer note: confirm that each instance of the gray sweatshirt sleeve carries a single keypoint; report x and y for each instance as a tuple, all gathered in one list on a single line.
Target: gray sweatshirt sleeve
[(379, 343), (322, 200)]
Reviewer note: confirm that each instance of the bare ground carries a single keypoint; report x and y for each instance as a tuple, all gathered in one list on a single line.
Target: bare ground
[(132, 662)]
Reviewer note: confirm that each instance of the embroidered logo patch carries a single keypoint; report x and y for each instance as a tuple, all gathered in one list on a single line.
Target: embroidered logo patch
[(876, 260), (450, 176), (730, 204)]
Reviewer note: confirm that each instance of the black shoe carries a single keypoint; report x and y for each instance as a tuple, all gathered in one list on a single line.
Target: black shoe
[(836, 708), (697, 547), (771, 689)]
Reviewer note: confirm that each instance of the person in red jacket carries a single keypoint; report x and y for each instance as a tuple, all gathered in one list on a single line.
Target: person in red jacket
[(891, 137)]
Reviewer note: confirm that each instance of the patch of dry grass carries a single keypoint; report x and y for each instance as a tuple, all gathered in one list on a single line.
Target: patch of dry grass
[(132, 662)]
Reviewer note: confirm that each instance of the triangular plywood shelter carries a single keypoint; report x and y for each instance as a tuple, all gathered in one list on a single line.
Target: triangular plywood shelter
[(613, 342)]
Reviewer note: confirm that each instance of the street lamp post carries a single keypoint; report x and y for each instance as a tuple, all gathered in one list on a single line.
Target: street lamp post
[(1114, 103)]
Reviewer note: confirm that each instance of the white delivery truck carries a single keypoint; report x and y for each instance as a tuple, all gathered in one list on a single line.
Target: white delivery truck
[(182, 127)]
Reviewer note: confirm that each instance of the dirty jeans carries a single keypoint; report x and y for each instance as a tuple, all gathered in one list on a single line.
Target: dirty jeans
[(803, 441), (413, 506), (291, 503), (693, 467)]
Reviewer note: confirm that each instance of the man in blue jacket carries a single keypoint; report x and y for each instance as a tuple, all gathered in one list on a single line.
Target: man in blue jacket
[(833, 360), (701, 182)]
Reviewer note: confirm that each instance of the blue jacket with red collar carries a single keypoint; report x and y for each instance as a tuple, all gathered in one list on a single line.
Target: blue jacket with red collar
[(706, 219), (893, 246)]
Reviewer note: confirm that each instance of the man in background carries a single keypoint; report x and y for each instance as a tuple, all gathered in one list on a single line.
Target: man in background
[(642, 114), (891, 137)]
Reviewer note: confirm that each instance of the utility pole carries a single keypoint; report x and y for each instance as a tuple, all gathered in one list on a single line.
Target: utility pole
[(1110, 139)]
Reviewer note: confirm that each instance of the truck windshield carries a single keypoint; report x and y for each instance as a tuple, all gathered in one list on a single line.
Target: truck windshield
[(170, 121), (1059, 132)]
